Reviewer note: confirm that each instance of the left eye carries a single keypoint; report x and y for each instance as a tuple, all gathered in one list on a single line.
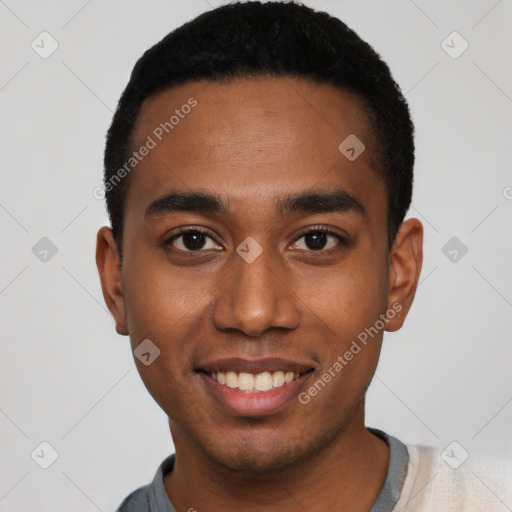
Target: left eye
[(319, 239)]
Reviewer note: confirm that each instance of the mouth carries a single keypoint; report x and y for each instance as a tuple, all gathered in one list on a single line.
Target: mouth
[(254, 387), (254, 383)]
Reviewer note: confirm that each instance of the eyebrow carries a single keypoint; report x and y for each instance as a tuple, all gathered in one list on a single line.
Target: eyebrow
[(304, 202)]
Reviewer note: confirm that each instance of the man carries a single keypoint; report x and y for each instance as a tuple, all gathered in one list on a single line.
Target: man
[(257, 174)]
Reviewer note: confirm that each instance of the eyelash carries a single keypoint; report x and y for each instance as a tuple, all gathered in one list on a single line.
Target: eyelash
[(342, 240)]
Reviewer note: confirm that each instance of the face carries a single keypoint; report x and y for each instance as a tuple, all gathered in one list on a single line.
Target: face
[(254, 254)]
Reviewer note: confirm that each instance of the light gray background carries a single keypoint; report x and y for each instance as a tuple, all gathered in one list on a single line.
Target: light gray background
[(67, 378)]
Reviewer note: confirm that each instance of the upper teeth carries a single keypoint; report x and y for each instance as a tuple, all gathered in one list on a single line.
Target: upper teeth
[(254, 382)]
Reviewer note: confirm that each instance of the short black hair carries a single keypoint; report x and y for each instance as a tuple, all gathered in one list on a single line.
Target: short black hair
[(275, 39)]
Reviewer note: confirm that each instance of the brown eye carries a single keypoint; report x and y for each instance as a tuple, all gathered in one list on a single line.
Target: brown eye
[(320, 240), (191, 240), (316, 240)]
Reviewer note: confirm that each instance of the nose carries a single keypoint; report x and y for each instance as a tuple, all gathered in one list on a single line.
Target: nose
[(254, 297)]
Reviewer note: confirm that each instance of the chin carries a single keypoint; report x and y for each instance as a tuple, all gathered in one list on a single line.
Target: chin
[(246, 461), (256, 457)]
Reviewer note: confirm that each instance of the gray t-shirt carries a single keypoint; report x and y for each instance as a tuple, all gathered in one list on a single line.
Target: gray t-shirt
[(153, 498)]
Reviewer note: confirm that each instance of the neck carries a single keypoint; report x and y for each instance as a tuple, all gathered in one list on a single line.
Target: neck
[(348, 474)]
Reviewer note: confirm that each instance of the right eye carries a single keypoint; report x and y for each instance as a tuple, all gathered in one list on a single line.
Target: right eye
[(192, 240)]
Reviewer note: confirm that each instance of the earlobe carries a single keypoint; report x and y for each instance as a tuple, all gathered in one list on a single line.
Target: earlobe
[(109, 268), (406, 258)]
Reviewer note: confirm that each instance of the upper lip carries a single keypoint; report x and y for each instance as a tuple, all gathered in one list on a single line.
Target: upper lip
[(255, 366)]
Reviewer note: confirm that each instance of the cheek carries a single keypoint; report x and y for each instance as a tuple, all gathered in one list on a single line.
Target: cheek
[(347, 299), (358, 301), (165, 309), (161, 301)]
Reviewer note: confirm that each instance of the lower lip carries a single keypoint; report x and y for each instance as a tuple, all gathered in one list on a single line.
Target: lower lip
[(263, 403)]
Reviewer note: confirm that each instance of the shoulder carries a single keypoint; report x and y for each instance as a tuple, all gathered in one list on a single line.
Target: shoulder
[(137, 501), (151, 497), (451, 479)]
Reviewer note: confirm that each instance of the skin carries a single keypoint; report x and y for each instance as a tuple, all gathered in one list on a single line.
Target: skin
[(251, 141)]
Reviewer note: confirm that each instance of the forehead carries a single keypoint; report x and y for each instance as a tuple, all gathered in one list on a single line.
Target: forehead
[(256, 138)]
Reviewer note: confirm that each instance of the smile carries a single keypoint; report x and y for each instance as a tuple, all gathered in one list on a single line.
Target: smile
[(254, 387), (254, 383)]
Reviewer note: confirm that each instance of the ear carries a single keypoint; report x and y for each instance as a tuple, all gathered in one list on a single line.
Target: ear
[(109, 267), (405, 261)]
